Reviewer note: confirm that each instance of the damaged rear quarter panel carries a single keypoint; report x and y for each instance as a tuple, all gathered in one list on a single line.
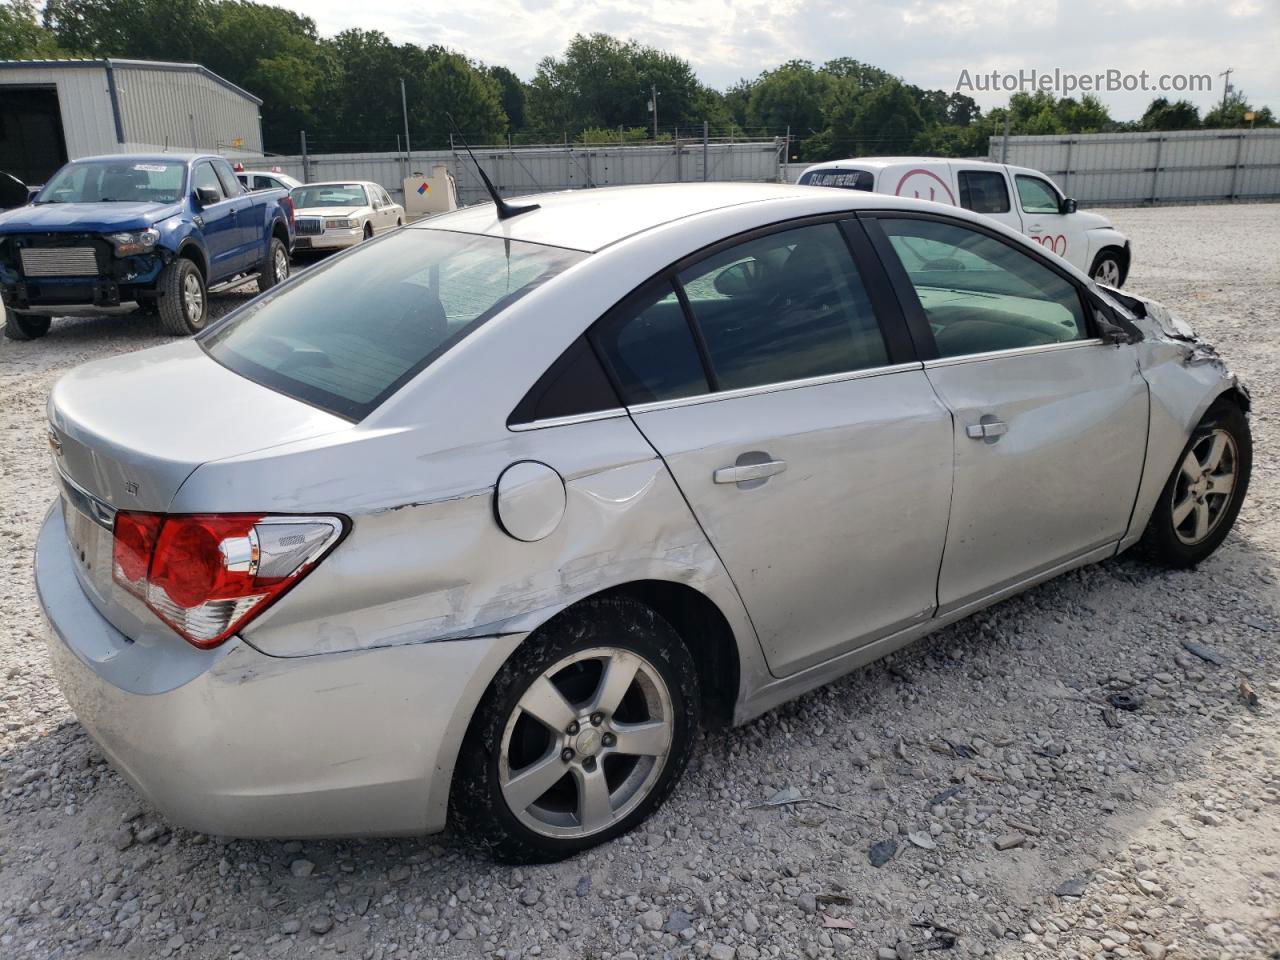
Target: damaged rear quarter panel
[(422, 566)]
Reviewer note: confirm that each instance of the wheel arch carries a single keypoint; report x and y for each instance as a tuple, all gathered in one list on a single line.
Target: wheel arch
[(701, 624), (190, 250)]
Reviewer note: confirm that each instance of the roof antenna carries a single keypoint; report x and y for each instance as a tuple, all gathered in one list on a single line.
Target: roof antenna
[(505, 210)]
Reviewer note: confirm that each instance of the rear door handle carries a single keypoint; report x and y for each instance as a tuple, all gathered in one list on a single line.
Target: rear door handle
[(749, 471), (989, 429)]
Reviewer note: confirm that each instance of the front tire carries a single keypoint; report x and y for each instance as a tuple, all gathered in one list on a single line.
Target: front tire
[(581, 736), (184, 299), (368, 232), (1107, 269), (1204, 494), (25, 326), (275, 269)]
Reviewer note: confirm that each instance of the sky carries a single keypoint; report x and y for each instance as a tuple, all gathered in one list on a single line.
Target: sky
[(926, 42)]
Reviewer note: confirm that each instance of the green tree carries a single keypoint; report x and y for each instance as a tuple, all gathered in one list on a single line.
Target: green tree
[(22, 36), (511, 91), (883, 121), (793, 95), (1230, 115), (455, 86), (1163, 115)]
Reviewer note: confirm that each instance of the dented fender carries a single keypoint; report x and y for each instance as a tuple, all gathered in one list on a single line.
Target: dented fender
[(1185, 375)]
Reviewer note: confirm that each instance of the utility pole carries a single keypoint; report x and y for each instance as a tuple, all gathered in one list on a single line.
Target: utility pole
[(404, 108), (1004, 144), (305, 169), (1226, 85), (653, 105)]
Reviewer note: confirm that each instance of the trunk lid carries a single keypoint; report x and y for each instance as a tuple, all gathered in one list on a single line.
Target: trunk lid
[(126, 432)]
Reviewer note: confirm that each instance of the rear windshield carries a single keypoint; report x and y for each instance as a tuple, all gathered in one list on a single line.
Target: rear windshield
[(848, 179), (349, 332)]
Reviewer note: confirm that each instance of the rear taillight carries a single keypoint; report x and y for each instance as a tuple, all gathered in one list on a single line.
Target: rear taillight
[(207, 575), (287, 202)]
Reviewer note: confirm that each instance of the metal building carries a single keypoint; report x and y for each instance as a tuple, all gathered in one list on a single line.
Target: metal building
[(52, 111)]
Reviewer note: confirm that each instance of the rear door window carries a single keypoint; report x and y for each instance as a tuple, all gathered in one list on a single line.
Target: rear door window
[(787, 306), (348, 333), (983, 191)]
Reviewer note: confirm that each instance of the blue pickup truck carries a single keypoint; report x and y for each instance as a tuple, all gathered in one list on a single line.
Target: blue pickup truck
[(162, 231)]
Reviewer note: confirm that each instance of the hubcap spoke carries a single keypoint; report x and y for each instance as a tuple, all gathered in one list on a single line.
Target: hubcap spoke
[(1216, 449), (1202, 520), (595, 809), (533, 781), (642, 739), (545, 703), (1183, 510), (1191, 468), (619, 673), (1222, 483)]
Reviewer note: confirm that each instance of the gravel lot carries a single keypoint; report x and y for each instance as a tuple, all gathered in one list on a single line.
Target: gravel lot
[(1024, 824)]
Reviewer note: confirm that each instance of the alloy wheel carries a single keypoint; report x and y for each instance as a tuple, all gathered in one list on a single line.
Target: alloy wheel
[(1205, 483), (586, 743), (280, 265), (193, 298), (1108, 272)]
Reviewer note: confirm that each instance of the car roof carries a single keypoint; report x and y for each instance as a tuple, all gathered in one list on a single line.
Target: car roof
[(879, 163), (591, 219), (150, 157)]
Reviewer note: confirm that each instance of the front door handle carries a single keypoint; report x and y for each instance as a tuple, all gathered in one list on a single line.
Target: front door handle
[(746, 472), (989, 429)]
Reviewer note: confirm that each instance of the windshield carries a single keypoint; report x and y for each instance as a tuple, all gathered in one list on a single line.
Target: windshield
[(116, 181), (350, 332), (329, 195)]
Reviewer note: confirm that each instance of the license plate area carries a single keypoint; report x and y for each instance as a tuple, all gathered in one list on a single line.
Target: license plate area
[(89, 524)]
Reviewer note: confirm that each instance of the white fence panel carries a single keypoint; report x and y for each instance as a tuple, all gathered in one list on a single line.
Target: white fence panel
[(522, 170), (1185, 166)]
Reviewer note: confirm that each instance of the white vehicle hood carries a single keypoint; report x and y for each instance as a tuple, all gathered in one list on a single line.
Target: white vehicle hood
[(1092, 221)]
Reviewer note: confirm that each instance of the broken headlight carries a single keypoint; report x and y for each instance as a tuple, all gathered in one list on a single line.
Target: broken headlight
[(135, 242)]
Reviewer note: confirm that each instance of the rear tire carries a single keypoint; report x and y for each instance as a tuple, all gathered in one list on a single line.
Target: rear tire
[(184, 299), (1194, 515), (275, 269), (618, 696), (25, 326)]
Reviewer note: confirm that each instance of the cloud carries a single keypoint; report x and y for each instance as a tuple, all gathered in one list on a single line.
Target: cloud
[(926, 42)]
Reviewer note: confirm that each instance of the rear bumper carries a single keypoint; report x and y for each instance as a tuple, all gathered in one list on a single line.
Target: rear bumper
[(247, 745)]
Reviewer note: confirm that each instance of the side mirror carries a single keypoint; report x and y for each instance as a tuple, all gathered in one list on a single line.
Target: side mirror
[(737, 280), (13, 192), (1114, 333), (1068, 205), (207, 196)]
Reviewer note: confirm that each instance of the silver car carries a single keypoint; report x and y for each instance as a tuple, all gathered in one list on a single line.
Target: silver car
[(481, 520)]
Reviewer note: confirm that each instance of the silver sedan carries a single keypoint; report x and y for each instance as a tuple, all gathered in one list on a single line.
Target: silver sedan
[(481, 520)]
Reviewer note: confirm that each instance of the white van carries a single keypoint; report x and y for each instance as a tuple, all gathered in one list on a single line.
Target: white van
[(1088, 241)]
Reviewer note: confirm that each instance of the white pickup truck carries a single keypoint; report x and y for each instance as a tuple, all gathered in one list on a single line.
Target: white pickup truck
[(1041, 211)]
